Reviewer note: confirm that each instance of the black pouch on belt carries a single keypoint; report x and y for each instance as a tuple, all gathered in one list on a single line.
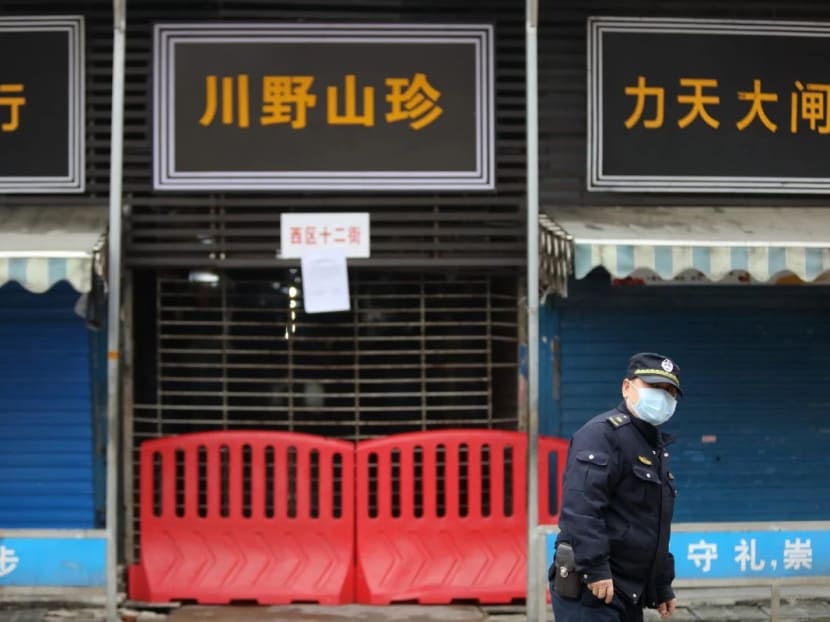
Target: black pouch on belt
[(565, 579)]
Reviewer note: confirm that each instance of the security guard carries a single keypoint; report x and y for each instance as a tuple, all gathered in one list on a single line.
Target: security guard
[(612, 557)]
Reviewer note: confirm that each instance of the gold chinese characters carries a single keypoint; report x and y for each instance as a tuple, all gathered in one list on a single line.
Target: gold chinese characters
[(286, 100), (11, 98), (809, 104)]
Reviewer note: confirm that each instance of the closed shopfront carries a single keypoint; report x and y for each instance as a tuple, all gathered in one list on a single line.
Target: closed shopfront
[(219, 337), (701, 236), (52, 219)]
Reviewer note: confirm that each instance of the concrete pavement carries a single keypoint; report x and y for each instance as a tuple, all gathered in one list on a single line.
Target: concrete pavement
[(344, 613), (730, 604), (725, 604)]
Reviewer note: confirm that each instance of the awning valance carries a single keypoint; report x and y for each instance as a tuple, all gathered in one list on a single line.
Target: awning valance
[(40, 246), (669, 241)]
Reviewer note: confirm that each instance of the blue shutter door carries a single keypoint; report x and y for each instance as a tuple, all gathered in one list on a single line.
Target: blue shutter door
[(45, 411), (754, 427)]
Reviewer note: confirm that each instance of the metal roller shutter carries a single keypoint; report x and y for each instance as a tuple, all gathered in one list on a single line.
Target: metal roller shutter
[(46, 465), (752, 430)]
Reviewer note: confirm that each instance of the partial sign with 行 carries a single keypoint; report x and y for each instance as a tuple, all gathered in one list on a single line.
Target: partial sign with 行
[(301, 233), (42, 104), (684, 105), (323, 107)]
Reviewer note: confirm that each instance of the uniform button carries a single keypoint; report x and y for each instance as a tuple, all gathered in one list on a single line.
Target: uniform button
[(666, 455), (648, 474), (634, 595), (590, 456), (654, 452)]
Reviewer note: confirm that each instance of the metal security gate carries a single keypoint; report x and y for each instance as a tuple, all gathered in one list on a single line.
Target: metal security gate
[(417, 351)]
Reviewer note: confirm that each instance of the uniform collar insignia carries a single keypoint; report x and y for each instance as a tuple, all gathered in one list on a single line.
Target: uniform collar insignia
[(644, 460)]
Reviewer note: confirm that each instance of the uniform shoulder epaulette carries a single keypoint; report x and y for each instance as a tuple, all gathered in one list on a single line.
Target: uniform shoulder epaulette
[(619, 420)]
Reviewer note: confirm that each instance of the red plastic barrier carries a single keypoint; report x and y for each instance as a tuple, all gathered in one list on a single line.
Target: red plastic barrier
[(553, 453), (429, 531), (259, 516)]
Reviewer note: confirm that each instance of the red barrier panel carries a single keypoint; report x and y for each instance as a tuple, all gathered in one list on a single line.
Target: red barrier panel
[(553, 457), (442, 515), (259, 516)]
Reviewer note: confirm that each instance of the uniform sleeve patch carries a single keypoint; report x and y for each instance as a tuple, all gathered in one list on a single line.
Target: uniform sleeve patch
[(593, 457)]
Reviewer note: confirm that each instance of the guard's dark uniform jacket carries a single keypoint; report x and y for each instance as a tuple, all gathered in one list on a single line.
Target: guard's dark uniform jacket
[(617, 506)]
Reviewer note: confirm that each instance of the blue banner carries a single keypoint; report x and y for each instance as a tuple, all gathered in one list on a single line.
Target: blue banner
[(746, 554), (751, 554), (75, 562)]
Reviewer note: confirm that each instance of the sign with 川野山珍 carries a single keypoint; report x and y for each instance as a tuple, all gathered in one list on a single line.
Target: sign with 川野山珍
[(323, 107)]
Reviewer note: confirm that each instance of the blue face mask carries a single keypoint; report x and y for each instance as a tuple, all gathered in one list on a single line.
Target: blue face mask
[(655, 406)]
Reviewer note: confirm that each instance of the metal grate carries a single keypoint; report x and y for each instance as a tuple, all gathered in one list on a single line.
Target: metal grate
[(417, 351)]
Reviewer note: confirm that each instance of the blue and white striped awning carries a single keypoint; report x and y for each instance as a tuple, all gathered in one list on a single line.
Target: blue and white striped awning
[(40, 246), (765, 243)]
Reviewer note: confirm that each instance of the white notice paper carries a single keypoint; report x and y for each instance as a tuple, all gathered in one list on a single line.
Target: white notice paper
[(325, 281)]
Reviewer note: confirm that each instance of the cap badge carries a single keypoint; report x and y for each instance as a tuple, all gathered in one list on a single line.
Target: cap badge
[(644, 460), (667, 365)]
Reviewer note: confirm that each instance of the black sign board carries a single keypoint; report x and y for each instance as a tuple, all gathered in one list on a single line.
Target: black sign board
[(683, 105), (41, 104), (324, 107)]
